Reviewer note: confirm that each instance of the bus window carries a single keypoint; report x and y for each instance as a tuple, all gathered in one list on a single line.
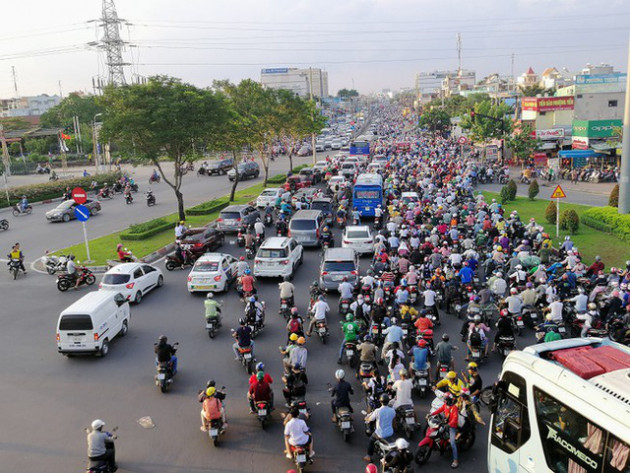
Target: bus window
[(570, 441), (510, 421), (617, 456)]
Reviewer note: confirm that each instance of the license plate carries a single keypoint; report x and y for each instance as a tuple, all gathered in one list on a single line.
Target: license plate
[(562, 330), (301, 458), (349, 352), (284, 306), (405, 332), (209, 324), (262, 412), (161, 376), (337, 278), (303, 411), (247, 356), (475, 353), (214, 432), (422, 382), (322, 330), (345, 425), (410, 420), (519, 323)]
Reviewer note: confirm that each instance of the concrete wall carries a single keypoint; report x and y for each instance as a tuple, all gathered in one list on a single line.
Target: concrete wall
[(596, 106)]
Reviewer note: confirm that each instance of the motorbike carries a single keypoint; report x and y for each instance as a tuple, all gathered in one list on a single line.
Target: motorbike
[(285, 310), (377, 223), (421, 381), (154, 179), (263, 413), (173, 262), (350, 350), (413, 294), (55, 264), (150, 199), (530, 316), (128, 198), (102, 466), (216, 429), (66, 281), (344, 306), (250, 252), (366, 370), (268, 220), (259, 239), (246, 358), (518, 324), (4, 224), (505, 345), (14, 267), (17, 210), (300, 457), (105, 193), (322, 330), (213, 324), (617, 332), (437, 438), (405, 420), (164, 375), (344, 422), (240, 239)]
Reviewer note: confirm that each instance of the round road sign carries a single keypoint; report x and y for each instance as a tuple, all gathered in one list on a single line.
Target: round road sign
[(79, 195), (462, 140), (82, 213)]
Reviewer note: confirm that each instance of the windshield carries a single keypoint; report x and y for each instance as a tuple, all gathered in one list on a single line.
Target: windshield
[(230, 215), (269, 192), (303, 224), (272, 253), (358, 234), (206, 266), (323, 206), (115, 279), (76, 322), (339, 266), (65, 205)]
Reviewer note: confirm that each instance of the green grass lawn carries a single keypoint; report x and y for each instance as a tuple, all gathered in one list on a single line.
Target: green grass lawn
[(589, 241), (104, 248)]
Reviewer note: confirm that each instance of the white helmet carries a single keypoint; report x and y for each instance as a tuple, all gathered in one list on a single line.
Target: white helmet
[(98, 424), (401, 444), (340, 374), (210, 295)]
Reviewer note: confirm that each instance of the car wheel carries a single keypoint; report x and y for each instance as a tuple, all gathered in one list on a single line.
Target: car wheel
[(66, 218), (138, 297), (104, 349), (124, 329), (93, 211), (160, 281)]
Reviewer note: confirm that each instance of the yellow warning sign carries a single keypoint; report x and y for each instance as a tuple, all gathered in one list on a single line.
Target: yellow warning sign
[(558, 193)]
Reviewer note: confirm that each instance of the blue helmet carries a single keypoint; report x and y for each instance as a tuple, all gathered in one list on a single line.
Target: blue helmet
[(248, 271)]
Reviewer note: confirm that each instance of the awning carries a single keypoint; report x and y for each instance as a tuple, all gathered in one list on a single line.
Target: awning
[(603, 146), (580, 153)]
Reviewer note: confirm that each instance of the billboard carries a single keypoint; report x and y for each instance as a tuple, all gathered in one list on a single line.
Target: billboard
[(550, 134), (597, 83), (595, 128), (579, 143), (277, 70), (547, 104)]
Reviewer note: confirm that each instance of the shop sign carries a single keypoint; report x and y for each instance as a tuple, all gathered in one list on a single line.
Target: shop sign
[(550, 134), (547, 104), (595, 128)]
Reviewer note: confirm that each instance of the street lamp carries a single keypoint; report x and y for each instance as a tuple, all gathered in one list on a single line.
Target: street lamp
[(94, 144)]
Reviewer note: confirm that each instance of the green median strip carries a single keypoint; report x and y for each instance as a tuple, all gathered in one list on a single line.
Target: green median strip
[(590, 241), (104, 248)]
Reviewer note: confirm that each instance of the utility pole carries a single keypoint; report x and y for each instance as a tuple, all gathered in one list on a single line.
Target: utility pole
[(459, 54), (113, 44), (310, 82), (15, 87), (624, 178), (6, 162)]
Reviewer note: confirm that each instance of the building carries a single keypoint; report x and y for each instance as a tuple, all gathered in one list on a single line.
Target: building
[(528, 79), (445, 82), (552, 78), (299, 81), (29, 106), (599, 93)]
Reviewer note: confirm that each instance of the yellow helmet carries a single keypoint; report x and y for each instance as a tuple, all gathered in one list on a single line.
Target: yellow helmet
[(293, 337), (210, 391), (472, 365), (451, 375)]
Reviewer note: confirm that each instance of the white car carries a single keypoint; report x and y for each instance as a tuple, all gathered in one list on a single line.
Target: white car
[(268, 196), (321, 165), (278, 257), (337, 181), (212, 272), (407, 197), (359, 238), (132, 280)]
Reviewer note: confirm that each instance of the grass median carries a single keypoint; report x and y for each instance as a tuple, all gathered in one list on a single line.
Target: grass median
[(104, 248), (590, 242)]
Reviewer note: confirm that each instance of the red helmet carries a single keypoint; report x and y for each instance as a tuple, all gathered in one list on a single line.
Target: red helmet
[(422, 343), (371, 468), (504, 313), (242, 258)]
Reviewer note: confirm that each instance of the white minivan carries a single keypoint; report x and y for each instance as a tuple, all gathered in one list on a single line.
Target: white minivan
[(90, 324)]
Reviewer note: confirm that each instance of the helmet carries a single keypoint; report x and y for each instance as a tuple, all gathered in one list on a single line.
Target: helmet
[(472, 365), (403, 283), (384, 399), (598, 258), (548, 317), (210, 391), (260, 366), (98, 424), (242, 258), (504, 313), (349, 317), (422, 343), (477, 319), (252, 299), (209, 295), (248, 271), (519, 267), (592, 306), (401, 444), (529, 285), (371, 468), (241, 321), (321, 298), (451, 375), (340, 374), (260, 376), (301, 341), (513, 291), (315, 283), (293, 337), (294, 311), (162, 338), (445, 337)]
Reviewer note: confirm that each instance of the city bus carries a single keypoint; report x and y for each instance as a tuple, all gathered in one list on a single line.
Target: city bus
[(367, 193), (562, 407), (360, 147)]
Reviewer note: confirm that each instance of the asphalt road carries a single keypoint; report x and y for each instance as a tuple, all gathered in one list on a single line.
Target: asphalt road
[(36, 234), (48, 399)]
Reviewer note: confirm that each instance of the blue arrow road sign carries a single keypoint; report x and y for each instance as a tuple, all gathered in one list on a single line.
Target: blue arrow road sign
[(82, 213)]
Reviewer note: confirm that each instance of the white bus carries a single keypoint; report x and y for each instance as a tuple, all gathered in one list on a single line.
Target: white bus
[(562, 407)]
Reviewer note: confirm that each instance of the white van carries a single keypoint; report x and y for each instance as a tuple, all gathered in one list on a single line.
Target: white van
[(88, 325)]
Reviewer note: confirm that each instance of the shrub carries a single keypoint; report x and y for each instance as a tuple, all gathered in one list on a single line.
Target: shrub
[(570, 221), (618, 223), (512, 188), (533, 189), (207, 208), (550, 212), (279, 179), (613, 200), (142, 231), (505, 195)]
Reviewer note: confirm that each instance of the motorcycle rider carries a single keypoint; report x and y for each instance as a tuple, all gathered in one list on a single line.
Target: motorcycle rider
[(345, 291), (298, 356), (124, 256), (398, 460), (17, 255), (451, 414), (23, 203), (259, 228), (350, 334), (212, 409), (255, 312), (166, 353), (101, 445), (297, 434), (444, 354), (295, 324), (71, 269), (241, 267), (319, 311), (246, 284), (403, 389), (367, 352), (259, 391), (384, 417), (419, 359), (243, 336), (287, 291), (341, 393), (505, 328), (212, 308), (295, 382), (326, 236)]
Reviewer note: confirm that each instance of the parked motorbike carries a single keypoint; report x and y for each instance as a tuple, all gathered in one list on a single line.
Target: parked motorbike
[(55, 264), (18, 211), (164, 375), (4, 224), (66, 281)]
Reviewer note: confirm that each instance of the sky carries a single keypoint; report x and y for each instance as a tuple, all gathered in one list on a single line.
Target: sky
[(366, 44)]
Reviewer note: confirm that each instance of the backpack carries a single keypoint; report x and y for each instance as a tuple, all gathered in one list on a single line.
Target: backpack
[(475, 338), (294, 325)]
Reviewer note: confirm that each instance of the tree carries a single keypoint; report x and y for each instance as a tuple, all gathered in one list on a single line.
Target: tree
[(550, 212), (457, 105), (531, 90), (482, 128), (162, 117), (521, 141), (435, 120), (82, 106), (533, 189), (347, 93), (570, 221)]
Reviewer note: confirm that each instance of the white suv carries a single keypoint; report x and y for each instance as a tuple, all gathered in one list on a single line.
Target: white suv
[(278, 256)]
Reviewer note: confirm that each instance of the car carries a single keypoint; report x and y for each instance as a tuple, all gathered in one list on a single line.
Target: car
[(359, 238), (349, 170), (325, 206), (310, 174), (307, 192), (212, 272), (321, 165), (336, 264), (247, 170), (132, 280), (219, 166), (64, 212), (278, 257), (374, 168), (268, 196), (336, 144), (380, 159), (407, 197), (233, 217), (304, 151), (202, 240), (294, 183), (306, 227), (319, 146), (337, 182)]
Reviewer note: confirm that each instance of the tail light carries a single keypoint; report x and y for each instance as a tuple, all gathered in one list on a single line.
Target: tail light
[(218, 277), (347, 242), (257, 261), (95, 337), (354, 273), (130, 285), (58, 338), (189, 278), (285, 261), (289, 232), (219, 219), (324, 273), (317, 233), (238, 219), (198, 245)]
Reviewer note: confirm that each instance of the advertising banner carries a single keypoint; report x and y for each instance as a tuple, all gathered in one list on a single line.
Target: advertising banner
[(547, 104), (277, 70), (579, 143), (549, 134), (595, 83), (595, 128)]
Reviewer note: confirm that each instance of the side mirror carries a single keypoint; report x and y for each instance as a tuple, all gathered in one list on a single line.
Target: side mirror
[(119, 299)]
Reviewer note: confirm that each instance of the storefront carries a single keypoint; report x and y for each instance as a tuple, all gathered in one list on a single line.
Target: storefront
[(578, 158)]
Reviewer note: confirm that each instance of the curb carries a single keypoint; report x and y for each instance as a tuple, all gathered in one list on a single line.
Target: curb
[(33, 204)]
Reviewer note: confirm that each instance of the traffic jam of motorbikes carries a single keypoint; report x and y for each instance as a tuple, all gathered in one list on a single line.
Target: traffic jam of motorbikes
[(405, 241)]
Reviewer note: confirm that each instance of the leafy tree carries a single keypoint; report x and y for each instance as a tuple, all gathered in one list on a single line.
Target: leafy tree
[(484, 129), (570, 221), (505, 195), (550, 212), (83, 106), (613, 199), (533, 189), (162, 117), (458, 105), (531, 90), (521, 141), (511, 189), (435, 120), (14, 149), (347, 93)]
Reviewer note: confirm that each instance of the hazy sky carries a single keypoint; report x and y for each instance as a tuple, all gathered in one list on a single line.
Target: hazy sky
[(374, 43)]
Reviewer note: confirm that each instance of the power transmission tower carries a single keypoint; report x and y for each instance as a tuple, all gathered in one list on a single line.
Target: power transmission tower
[(113, 44)]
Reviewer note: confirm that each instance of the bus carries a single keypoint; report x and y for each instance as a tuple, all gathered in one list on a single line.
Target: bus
[(360, 147), (367, 193), (562, 407)]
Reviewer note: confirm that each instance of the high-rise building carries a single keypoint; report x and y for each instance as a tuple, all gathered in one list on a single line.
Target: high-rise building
[(300, 81)]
